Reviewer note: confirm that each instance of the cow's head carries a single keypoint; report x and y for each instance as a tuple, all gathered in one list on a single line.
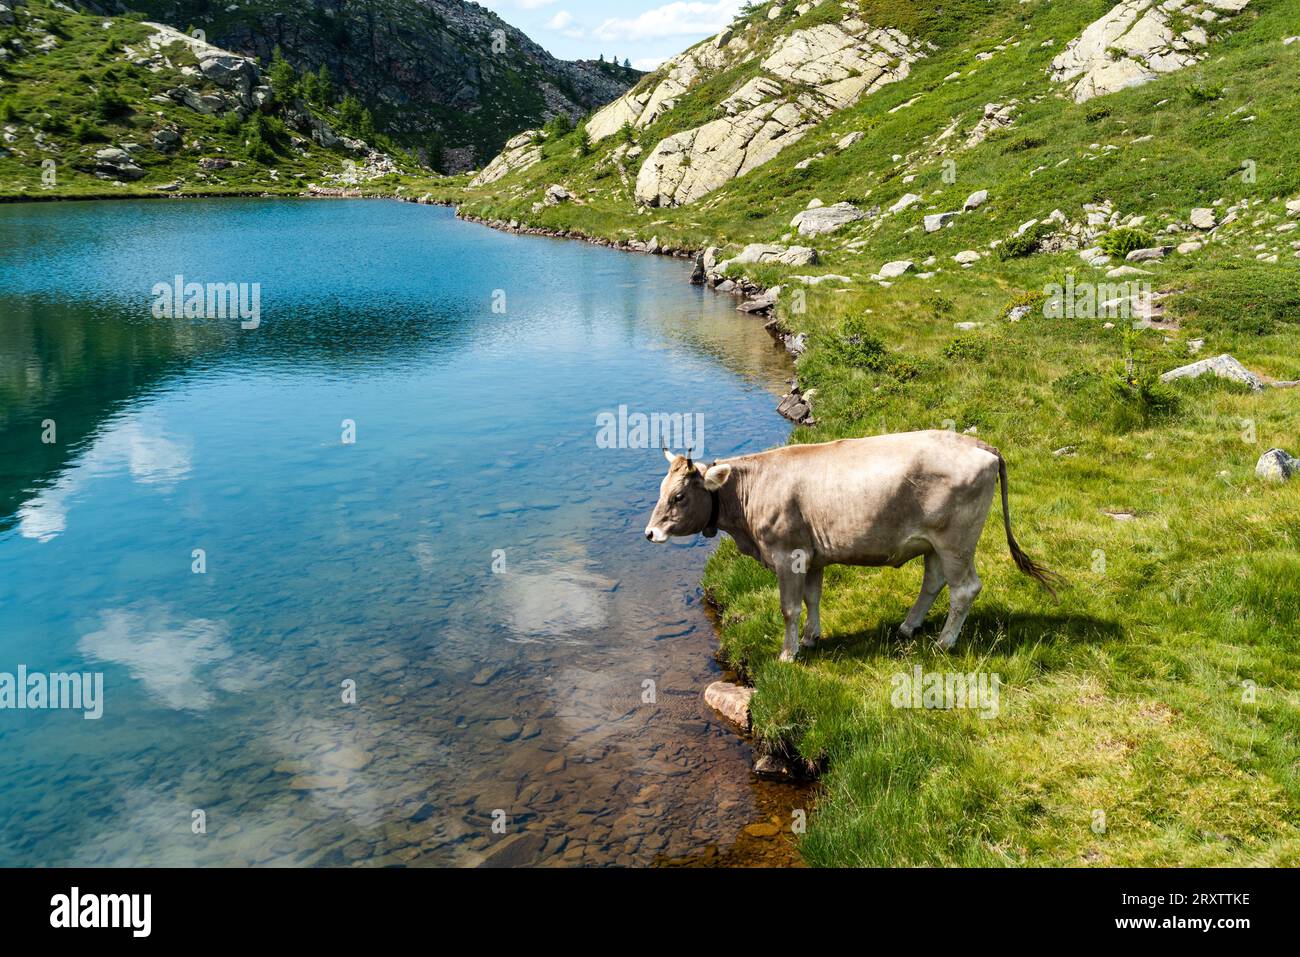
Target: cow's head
[(685, 498)]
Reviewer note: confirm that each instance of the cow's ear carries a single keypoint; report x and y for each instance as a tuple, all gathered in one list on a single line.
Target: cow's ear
[(670, 457), (717, 476)]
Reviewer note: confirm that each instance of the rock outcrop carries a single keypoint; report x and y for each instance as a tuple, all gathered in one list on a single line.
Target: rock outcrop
[(808, 75), (1137, 41), (520, 152)]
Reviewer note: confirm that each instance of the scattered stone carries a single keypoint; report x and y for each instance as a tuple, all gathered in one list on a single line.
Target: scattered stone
[(485, 675), (729, 700), (976, 199), (1275, 465), (1224, 366), (1190, 246), (1065, 450), (966, 257), (797, 406), (762, 829), (111, 162), (826, 219), (556, 194), (1203, 218), (936, 221), (850, 140), (1146, 255), (892, 270), (906, 200)]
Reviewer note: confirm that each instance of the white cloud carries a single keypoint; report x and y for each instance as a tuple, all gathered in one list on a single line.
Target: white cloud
[(649, 63), (534, 4), (682, 18), (560, 20)]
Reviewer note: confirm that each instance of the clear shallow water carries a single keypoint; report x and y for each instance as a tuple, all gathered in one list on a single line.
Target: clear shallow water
[(518, 693)]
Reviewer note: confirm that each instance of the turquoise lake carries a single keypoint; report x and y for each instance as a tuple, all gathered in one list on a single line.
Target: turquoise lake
[(361, 582)]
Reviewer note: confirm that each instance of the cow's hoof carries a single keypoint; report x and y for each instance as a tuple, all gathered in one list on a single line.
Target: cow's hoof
[(946, 645), (809, 641), (904, 633), (786, 656)]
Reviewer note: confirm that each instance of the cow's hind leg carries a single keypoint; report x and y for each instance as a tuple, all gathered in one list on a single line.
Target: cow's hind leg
[(812, 597), (963, 585), (791, 584), (931, 585)]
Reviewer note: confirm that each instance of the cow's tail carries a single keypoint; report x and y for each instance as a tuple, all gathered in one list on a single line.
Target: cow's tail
[(1044, 576)]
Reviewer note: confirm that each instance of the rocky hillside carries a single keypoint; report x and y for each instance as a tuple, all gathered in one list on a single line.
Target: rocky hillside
[(92, 104), (1072, 228), (446, 78)]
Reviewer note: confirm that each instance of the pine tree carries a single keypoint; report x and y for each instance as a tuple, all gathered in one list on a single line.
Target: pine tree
[(284, 80)]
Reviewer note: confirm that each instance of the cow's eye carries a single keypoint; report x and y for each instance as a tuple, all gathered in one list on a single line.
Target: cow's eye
[(677, 498)]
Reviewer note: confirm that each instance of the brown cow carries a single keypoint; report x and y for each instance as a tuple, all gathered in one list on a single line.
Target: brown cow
[(881, 500)]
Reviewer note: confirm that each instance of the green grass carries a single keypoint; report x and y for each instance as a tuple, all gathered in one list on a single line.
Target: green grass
[(1126, 699)]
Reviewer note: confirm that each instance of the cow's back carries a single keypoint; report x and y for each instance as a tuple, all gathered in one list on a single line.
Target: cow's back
[(873, 500)]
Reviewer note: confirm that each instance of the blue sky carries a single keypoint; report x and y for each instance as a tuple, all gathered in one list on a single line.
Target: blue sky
[(646, 32)]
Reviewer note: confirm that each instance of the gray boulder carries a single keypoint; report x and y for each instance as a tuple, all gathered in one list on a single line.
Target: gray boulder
[(114, 163), (1145, 255), (936, 221), (1224, 366), (825, 219), (896, 268), (1276, 465)]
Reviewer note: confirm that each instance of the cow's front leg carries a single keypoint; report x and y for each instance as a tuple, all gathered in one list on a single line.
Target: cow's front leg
[(812, 597), (791, 584)]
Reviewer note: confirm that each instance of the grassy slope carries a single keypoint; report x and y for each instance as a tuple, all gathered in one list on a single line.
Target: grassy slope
[(50, 91), (1126, 698)]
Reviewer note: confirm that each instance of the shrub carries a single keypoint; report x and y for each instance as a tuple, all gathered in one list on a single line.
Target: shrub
[(1096, 113), (1024, 303), (963, 348), (559, 125), (83, 131), (1200, 93), (110, 105), (8, 110), (1025, 244), (1023, 144), (858, 347), (1118, 243)]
